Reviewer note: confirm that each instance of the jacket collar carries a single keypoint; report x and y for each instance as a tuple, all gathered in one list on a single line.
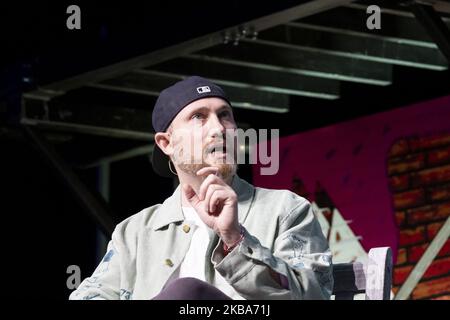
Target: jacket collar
[(170, 211)]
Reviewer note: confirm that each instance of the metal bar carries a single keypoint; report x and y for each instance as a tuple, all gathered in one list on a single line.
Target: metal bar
[(96, 120), (302, 10), (256, 78), (119, 122), (435, 27), (384, 9), (95, 206), (78, 128), (357, 45), (304, 61), (135, 152), (392, 26), (424, 262), (246, 97), (358, 33), (103, 171), (439, 6)]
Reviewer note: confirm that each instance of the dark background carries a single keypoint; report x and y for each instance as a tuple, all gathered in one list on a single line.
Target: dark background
[(44, 229)]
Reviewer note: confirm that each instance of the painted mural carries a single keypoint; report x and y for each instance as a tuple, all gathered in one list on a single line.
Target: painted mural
[(344, 170)]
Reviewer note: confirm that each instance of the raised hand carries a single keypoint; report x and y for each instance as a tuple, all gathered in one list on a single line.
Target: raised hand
[(216, 204)]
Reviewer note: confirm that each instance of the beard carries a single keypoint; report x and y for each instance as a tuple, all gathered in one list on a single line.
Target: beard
[(225, 170), (189, 164)]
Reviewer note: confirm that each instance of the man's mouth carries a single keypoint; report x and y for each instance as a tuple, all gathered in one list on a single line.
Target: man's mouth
[(216, 148)]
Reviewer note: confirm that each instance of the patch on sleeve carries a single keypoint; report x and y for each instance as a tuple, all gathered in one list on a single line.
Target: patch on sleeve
[(297, 246), (108, 256), (91, 296), (125, 294), (102, 267)]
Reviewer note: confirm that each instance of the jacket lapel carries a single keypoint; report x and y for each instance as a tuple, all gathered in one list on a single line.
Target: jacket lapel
[(172, 241), (170, 211), (168, 243), (245, 193)]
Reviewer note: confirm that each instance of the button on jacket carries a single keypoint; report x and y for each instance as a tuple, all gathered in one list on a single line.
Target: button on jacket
[(281, 235)]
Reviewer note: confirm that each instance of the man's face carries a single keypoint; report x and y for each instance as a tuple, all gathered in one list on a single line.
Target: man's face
[(199, 139)]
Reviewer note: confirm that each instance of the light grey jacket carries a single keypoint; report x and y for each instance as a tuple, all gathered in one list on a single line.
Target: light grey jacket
[(281, 234)]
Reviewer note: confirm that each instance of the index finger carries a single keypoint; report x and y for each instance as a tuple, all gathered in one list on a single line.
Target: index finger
[(207, 171)]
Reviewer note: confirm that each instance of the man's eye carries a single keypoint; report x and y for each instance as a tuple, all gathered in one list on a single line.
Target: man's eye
[(224, 114), (197, 116)]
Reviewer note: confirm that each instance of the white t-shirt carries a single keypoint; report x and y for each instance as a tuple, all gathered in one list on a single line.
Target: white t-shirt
[(193, 264)]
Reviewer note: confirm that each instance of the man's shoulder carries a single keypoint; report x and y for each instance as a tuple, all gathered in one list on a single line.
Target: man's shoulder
[(281, 202), (281, 195), (137, 221)]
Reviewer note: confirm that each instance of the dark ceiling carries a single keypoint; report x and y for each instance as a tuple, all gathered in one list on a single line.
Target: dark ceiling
[(296, 75)]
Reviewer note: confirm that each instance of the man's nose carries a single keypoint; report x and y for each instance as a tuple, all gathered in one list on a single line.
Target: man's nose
[(215, 127)]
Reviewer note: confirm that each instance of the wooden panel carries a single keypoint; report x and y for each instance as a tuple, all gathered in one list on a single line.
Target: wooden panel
[(379, 274)]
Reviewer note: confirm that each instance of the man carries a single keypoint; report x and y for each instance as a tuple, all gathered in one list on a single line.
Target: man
[(217, 236)]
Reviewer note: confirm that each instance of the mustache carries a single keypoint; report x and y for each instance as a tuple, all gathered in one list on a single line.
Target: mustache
[(217, 145)]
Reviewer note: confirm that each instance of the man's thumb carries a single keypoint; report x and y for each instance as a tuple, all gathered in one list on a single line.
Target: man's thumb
[(189, 193)]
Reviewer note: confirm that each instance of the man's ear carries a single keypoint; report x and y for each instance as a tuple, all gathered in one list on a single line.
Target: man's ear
[(162, 139)]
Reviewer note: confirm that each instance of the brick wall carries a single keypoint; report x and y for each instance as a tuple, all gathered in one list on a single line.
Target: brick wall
[(419, 175)]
